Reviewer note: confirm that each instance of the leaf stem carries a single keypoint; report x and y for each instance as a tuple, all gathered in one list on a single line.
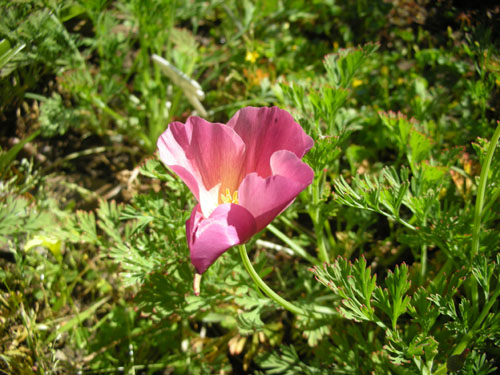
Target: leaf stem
[(264, 287), (297, 249), (481, 192)]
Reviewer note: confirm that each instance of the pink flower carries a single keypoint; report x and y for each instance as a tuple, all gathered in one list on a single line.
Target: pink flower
[(243, 175)]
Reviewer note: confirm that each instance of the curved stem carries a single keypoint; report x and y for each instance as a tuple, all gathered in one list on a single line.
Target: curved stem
[(481, 191), (264, 287), (477, 324), (464, 342)]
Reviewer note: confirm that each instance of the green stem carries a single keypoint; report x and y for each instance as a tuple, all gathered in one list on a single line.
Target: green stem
[(264, 287), (423, 261), (316, 218), (297, 249), (423, 258), (467, 337), (329, 235), (481, 192), (464, 342), (493, 198)]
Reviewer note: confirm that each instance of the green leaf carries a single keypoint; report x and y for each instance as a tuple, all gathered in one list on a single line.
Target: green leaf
[(109, 217), (7, 52), (354, 284), (327, 102), (153, 168), (286, 361), (87, 226), (342, 66), (399, 125), (384, 193), (77, 320), (250, 321), (393, 300), (7, 157), (420, 147), (422, 310), (483, 271)]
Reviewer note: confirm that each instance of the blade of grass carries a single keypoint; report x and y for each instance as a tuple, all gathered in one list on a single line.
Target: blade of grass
[(77, 319)]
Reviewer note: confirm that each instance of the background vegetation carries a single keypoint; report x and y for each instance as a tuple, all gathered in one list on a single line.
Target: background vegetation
[(393, 249)]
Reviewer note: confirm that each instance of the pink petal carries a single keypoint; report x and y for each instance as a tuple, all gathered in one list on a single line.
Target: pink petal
[(286, 164), (203, 155), (266, 198), (208, 238), (265, 131), (170, 146)]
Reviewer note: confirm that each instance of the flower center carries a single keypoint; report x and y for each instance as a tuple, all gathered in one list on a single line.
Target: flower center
[(227, 198)]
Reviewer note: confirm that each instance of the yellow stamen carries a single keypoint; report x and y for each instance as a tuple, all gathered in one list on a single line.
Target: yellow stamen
[(227, 198)]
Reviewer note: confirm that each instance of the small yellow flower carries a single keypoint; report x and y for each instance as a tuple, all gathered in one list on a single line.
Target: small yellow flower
[(442, 193), (251, 56), (356, 82), (400, 81)]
